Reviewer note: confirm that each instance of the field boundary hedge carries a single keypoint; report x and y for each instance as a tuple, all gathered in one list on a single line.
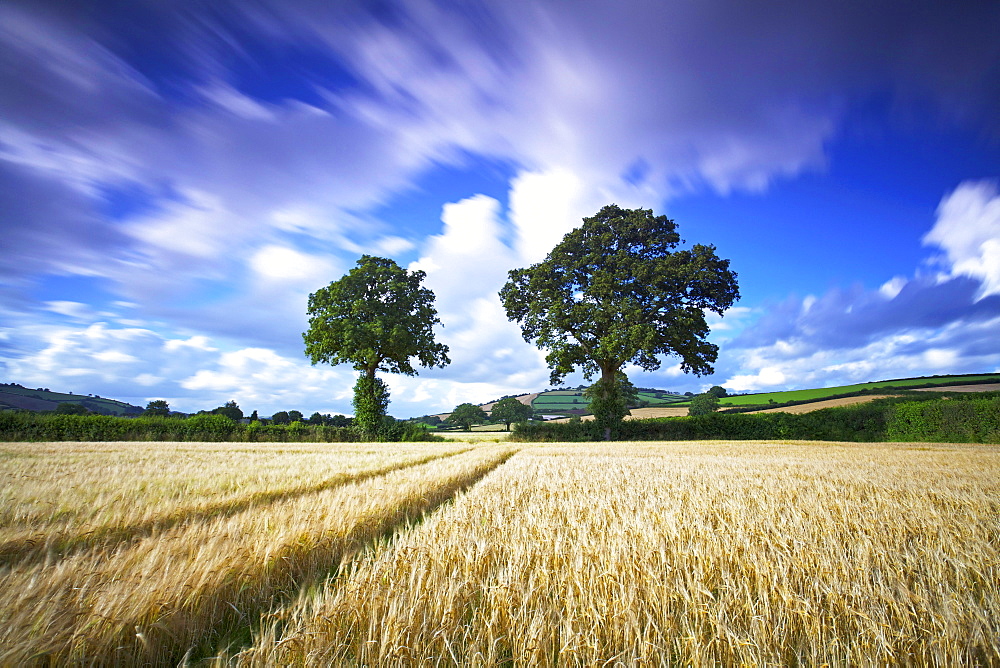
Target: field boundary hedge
[(880, 389), (28, 426), (955, 419)]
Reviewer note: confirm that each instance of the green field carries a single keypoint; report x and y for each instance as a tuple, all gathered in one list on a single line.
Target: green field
[(826, 392), (558, 401), (568, 401)]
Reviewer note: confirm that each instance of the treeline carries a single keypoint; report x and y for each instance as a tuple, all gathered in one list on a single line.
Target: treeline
[(968, 418), (29, 426)]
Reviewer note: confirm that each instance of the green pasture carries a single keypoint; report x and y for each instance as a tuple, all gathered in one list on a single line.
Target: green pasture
[(568, 400), (817, 394), (97, 404)]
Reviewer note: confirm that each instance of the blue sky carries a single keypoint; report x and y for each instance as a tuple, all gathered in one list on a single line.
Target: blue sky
[(176, 178)]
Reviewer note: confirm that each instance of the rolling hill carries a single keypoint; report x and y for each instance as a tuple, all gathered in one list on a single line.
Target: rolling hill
[(568, 402), (14, 396)]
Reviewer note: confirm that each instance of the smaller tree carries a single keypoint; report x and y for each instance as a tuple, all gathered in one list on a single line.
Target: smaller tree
[(718, 391), (703, 404), (71, 408), (378, 317), (281, 417), (466, 415), (510, 410), (317, 418), (231, 410), (340, 421), (157, 408), (294, 416), (253, 417)]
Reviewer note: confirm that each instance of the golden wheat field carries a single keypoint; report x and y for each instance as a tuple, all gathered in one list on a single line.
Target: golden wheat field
[(481, 555)]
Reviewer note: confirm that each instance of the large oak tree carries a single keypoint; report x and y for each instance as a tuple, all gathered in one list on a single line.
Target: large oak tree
[(618, 290), (379, 318)]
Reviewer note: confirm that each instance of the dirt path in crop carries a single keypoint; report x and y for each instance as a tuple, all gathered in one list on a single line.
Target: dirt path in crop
[(657, 412), (34, 547), (986, 387), (641, 414), (824, 403), (681, 411)]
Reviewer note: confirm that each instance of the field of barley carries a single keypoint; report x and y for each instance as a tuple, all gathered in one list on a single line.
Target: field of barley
[(499, 554)]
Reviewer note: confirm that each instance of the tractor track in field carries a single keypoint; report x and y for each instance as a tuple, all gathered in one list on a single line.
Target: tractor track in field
[(33, 548), (117, 608)]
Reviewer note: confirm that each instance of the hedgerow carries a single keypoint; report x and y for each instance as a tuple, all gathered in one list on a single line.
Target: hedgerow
[(958, 419), (29, 426)]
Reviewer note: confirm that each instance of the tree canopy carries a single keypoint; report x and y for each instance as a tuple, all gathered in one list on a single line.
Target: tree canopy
[(157, 407), (617, 290), (231, 410), (702, 404), (510, 410), (467, 415), (378, 317)]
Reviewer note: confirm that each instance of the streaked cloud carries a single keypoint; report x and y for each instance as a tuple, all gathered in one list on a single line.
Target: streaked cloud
[(210, 169)]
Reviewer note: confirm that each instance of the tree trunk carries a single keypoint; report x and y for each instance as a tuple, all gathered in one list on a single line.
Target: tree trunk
[(371, 397), (607, 387)]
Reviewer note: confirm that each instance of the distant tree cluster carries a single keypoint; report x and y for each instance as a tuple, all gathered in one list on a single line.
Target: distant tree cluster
[(71, 408), (157, 408)]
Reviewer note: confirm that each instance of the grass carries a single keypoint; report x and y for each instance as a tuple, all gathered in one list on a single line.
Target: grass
[(822, 393), (15, 396), (572, 400), (711, 553), (687, 554)]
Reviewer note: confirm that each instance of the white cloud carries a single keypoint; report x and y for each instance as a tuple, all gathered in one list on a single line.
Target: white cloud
[(114, 357), (256, 184), (918, 326), (467, 260), (543, 208), (968, 230), (148, 379), (281, 263), (466, 266), (193, 374), (197, 227), (199, 342), (891, 288), (71, 309), (767, 377), (230, 99)]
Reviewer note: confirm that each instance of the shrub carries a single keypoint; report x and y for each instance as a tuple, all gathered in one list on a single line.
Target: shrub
[(704, 404), (959, 419)]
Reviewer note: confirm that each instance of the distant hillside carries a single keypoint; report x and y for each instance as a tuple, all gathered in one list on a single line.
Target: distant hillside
[(922, 382), (570, 401), (15, 396)]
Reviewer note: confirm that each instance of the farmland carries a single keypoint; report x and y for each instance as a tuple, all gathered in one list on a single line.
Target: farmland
[(679, 553), (814, 394), (572, 402)]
